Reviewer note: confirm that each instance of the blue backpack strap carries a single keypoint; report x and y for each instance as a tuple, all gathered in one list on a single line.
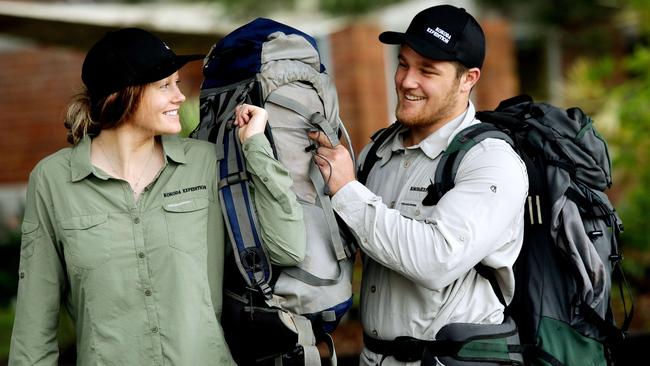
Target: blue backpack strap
[(237, 207)]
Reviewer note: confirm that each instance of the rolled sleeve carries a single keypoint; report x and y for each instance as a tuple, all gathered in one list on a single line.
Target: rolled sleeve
[(41, 282), (280, 214)]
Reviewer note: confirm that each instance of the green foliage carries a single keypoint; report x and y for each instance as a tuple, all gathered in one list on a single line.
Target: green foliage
[(189, 115), (244, 8), (241, 9), (353, 6), (616, 92), (555, 12)]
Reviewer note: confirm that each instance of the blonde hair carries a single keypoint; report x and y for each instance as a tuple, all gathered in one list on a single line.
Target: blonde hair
[(86, 116)]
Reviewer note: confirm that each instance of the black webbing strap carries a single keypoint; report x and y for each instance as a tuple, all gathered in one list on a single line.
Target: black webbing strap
[(489, 274), (408, 349), (378, 139), (464, 140)]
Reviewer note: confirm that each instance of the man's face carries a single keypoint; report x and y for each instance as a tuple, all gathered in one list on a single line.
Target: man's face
[(428, 91)]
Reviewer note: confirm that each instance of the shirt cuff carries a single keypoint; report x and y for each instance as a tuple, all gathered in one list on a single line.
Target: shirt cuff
[(257, 143), (351, 202)]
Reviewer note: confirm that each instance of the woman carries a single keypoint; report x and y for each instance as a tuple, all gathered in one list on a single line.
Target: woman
[(125, 229)]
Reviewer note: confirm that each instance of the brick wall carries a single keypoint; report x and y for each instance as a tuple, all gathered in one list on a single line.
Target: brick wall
[(358, 61), (499, 78), (37, 84)]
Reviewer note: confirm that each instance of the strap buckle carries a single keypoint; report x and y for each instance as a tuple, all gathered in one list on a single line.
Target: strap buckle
[(233, 179), (408, 349)]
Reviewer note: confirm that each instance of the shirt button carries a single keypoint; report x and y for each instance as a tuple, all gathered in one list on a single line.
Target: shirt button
[(265, 179), (417, 212), (246, 147), (373, 288), (407, 163), (136, 220), (374, 332), (22, 274), (154, 330), (147, 292), (141, 255)]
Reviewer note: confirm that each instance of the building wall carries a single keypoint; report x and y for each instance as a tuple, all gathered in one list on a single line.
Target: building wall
[(499, 78), (38, 82), (358, 60)]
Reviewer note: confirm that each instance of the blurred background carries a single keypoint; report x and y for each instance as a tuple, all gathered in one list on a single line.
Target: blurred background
[(594, 54)]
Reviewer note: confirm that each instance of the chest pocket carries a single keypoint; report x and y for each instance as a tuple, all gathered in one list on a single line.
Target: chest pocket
[(85, 240), (187, 224)]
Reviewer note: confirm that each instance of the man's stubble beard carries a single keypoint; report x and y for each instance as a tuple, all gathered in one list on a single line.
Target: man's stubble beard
[(441, 114)]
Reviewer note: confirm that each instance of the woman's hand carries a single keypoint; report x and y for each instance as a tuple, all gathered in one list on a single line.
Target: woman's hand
[(251, 120)]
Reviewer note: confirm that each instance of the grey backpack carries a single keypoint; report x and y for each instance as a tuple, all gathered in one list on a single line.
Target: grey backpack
[(269, 312)]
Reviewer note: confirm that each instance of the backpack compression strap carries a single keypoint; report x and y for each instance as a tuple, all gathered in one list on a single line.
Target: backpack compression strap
[(319, 121)]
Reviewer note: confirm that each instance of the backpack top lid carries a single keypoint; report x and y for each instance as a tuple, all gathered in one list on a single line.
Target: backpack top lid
[(567, 137), (238, 56)]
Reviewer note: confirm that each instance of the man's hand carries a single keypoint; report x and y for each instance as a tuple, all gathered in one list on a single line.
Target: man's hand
[(251, 120), (335, 163)]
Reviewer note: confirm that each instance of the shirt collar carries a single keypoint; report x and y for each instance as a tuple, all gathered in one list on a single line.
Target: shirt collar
[(81, 166), (173, 147), (434, 144)]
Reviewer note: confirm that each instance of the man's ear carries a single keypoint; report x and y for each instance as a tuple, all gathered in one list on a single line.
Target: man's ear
[(469, 79)]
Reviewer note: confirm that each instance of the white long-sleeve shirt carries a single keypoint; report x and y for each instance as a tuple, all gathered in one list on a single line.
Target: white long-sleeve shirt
[(418, 266)]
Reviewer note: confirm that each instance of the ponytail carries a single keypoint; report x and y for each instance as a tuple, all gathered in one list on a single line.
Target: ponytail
[(87, 117), (77, 119)]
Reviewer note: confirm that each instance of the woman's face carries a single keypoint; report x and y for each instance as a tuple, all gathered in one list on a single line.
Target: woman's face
[(158, 109)]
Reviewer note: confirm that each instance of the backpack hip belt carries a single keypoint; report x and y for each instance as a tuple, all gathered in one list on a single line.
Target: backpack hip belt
[(456, 343)]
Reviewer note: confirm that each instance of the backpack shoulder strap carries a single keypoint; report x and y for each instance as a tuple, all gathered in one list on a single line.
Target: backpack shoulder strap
[(378, 139), (238, 209), (445, 174)]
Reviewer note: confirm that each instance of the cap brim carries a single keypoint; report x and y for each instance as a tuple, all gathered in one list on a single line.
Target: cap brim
[(168, 68), (419, 45)]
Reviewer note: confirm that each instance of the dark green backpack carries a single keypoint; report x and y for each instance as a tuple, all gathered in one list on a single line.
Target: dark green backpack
[(570, 252)]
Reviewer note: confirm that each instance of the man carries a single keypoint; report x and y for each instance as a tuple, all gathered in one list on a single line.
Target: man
[(419, 259)]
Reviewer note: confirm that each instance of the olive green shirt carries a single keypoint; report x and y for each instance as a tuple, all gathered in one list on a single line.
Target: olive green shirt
[(142, 279)]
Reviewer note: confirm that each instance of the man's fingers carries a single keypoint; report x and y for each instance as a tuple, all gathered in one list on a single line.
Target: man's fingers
[(320, 138)]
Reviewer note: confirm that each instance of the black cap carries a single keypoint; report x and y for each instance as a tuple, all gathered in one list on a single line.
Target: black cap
[(127, 57), (443, 32)]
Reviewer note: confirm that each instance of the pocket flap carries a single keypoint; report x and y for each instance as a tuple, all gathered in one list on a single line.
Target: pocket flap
[(28, 227), (189, 205), (83, 222)]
